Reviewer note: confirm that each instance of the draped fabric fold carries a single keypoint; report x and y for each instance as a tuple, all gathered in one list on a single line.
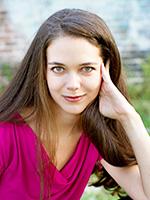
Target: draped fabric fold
[(20, 177)]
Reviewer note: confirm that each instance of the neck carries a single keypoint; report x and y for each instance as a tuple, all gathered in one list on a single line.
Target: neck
[(67, 123)]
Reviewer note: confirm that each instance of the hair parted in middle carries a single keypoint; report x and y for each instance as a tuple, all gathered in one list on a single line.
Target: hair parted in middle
[(29, 88)]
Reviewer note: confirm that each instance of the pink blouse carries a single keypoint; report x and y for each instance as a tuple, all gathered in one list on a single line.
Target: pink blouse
[(19, 174)]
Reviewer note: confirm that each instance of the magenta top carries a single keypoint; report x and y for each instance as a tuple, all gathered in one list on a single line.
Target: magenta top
[(19, 175)]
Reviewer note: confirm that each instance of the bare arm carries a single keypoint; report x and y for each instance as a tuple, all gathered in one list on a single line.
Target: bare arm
[(128, 178), (140, 142), (114, 105)]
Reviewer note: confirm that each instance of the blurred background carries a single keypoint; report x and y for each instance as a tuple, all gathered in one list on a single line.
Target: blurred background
[(129, 21)]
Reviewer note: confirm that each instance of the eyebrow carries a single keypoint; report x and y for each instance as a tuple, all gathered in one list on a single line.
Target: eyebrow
[(87, 63)]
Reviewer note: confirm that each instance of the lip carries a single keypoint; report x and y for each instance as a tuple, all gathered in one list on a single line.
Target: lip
[(74, 98)]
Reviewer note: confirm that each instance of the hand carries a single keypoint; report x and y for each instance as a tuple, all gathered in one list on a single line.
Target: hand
[(112, 103)]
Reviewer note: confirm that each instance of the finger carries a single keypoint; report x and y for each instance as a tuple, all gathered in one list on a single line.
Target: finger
[(105, 74), (101, 78), (101, 71), (108, 65)]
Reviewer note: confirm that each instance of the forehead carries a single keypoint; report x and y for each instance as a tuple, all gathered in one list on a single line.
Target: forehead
[(67, 48)]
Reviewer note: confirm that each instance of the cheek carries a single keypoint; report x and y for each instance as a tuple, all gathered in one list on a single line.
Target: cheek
[(93, 83), (53, 84)]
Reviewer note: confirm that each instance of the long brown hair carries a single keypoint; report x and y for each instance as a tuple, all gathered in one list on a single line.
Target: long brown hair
[(29, 88)]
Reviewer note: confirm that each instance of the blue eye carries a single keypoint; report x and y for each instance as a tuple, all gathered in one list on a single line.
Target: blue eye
[(57, 69), (88, 69)]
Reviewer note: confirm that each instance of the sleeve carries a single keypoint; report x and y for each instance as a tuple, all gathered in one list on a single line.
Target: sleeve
[(5, 140)]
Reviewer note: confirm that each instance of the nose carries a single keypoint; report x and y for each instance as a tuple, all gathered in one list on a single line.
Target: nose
[(73, 82)]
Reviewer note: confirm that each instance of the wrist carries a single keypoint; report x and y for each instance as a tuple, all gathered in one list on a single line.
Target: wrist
[(128, 116)]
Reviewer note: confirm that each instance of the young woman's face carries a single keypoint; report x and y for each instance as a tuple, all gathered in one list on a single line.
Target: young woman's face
[(73, 73)]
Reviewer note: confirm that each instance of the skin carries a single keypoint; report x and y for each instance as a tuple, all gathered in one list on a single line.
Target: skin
[(73, 77), (136, 179), (72, 80)]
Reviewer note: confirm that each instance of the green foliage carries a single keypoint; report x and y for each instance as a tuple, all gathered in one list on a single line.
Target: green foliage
[(140, 91), (98, 194), (146, 67), (140, 94), (7, 71)]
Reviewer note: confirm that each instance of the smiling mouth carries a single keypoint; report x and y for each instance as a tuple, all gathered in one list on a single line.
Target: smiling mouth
[(74, 98)]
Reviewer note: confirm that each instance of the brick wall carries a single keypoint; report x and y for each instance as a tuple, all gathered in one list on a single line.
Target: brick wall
[(12, 42), (129, 24)]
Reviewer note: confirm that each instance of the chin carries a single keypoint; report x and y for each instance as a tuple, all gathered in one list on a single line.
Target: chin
[(74, 111)]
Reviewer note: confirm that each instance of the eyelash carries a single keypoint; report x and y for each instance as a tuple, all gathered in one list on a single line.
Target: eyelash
[(57, 67), (88, 67), (62, 68)]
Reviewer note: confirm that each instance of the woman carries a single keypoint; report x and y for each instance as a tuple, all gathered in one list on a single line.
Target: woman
[(66, 115)]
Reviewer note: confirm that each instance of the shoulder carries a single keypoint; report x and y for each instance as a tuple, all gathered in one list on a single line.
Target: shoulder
[(6, 133), (11, 133), (10, 138), (6, 130)]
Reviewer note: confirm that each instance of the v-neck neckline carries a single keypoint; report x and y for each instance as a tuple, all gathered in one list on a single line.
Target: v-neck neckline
[(44, 152), (68, 161)]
